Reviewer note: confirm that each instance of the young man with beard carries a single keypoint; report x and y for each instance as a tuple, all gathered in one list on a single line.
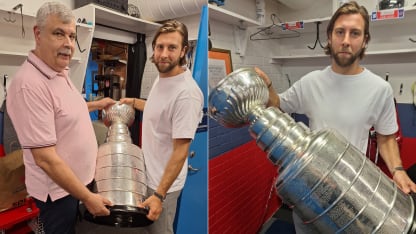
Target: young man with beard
[(53, 125), (171, 115), (346, 96)]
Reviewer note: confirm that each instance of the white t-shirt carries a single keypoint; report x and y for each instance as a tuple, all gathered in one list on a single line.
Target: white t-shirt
[(173, 110), (350, 104)]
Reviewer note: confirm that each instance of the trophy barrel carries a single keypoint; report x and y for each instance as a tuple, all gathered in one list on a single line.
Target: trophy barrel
[(120, 174)]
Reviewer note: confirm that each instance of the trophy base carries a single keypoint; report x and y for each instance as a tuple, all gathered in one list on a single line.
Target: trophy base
[(121, 216)]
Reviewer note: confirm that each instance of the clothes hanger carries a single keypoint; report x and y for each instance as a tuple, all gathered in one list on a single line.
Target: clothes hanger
[(271, 32)]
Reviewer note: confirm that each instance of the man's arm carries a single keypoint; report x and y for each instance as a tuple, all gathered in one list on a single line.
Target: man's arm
[(47, 159), (100, 104), (389, 151), (172, 170), (137, 103)]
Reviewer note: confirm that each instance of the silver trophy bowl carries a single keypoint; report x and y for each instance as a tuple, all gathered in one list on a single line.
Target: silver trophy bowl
[(329, 183), (237, 95), (121, 113)]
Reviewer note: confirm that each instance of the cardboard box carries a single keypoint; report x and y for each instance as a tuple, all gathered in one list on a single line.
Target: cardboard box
[(12, 181)]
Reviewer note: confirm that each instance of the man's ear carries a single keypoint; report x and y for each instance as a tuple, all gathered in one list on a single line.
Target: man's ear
[(366, 41), (365, 44), (36, 32), (183, 52)]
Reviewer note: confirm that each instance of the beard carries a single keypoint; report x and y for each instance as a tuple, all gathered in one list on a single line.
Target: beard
[(345, 61), (165, 68)]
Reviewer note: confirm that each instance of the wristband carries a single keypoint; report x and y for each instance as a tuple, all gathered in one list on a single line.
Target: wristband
[(400, 168), (158, 195)]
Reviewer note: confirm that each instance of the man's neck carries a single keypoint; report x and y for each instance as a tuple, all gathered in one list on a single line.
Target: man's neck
[(174, 72), (353, 69), (38, 54)]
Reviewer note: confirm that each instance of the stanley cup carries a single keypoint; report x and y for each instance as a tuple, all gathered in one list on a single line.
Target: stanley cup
[(329, 183), (120, 174)]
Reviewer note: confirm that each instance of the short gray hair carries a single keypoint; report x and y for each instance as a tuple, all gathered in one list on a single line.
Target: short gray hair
[(54, 8)]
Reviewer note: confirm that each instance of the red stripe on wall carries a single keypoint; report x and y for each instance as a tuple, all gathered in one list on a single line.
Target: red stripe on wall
[(408, 152), (2, 153), (242, 194)]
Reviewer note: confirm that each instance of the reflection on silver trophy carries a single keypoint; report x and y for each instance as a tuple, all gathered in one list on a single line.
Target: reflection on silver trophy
[(120, 173), (329, 183)]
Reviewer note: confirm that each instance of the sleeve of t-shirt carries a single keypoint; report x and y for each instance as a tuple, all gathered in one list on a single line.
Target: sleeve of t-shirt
[(33, 117), (290, 99), (187, 115), (387, 121)]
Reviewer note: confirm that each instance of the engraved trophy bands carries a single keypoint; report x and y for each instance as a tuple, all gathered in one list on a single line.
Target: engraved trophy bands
[(329, 183), (120, 174)]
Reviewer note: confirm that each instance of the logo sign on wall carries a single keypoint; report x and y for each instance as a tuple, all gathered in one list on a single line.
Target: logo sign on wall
[(292, 25), (396, 13)]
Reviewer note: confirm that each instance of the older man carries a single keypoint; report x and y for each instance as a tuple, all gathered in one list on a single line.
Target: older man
[(53, 126)]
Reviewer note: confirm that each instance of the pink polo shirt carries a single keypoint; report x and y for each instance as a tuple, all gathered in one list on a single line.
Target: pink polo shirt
[(47, 110)]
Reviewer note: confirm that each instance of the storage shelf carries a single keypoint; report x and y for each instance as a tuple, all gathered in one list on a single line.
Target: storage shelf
[(122, 21), (392, 52), (409, 17), (368, 54), (13, 53), (25, 54), (87, 26), (76, 58), (28, 18), (106, 24), (310, 24), (228, 17), (382, 56)]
